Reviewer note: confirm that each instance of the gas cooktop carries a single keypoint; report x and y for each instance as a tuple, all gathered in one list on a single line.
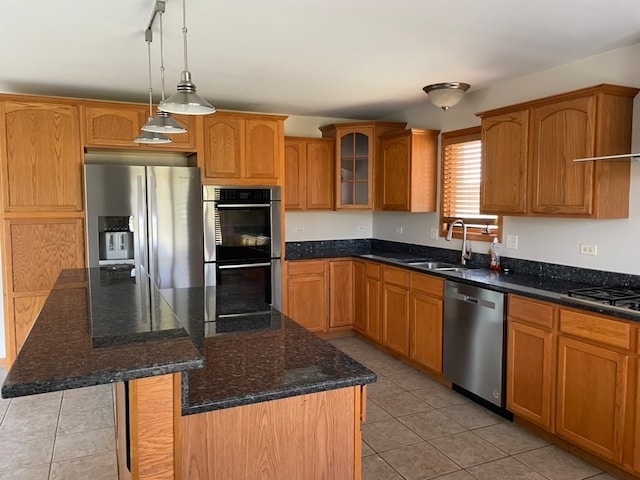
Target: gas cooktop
[(618, 298)]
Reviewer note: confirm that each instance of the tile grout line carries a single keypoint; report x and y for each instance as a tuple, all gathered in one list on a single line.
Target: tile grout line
[(55, 435)]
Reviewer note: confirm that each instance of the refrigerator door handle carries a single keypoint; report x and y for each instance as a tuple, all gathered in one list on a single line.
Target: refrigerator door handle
[(141, 226), (154, 270), (244, 265)]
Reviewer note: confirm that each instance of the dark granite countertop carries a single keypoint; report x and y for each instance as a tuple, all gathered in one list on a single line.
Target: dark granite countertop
[(93, 330)]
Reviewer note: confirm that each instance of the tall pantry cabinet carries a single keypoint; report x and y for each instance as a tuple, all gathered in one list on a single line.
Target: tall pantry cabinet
[(41, 161)]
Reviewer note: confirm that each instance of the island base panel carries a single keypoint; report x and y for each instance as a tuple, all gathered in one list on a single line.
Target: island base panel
[(303, 437)]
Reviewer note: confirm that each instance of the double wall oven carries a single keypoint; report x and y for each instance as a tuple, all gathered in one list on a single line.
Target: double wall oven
[(242, 249)]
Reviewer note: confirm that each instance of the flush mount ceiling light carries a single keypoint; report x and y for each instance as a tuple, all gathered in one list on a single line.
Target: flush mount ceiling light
[(186, 101), (151, 137), (445, 95), (162, 123)]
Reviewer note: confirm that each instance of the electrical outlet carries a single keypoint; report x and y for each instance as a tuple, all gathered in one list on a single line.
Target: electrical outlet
[(512, 242), (299, 229), (399, 230), (433, 234), (588, 249), (361, 228)]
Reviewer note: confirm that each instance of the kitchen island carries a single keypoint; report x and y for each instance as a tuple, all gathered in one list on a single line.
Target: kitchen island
[(198, 396)]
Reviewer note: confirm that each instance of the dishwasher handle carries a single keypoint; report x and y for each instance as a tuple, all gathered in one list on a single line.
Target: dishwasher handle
[(473, 300)]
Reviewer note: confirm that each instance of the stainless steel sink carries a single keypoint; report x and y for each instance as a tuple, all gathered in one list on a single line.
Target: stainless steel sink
[(438, 266)]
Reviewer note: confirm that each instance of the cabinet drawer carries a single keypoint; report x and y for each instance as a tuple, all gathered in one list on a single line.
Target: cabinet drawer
[(427, 284), (306, 267), (599, 329), (532, 311), (372, 269), (396, 276)]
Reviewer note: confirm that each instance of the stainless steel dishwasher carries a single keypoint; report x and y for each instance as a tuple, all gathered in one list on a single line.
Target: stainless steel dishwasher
[(474, 332)]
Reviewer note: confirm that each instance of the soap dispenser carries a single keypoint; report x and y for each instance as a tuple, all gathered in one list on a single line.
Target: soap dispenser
[(494, 255)]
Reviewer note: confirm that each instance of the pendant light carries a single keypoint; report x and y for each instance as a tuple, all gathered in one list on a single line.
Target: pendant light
[(151, 137), (163, 122), (186, 101)]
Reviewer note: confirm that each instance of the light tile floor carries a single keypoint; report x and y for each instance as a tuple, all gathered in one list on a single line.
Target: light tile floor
[(416, 429)]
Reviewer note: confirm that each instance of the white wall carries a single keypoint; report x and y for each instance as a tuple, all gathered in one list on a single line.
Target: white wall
[(551, 240)]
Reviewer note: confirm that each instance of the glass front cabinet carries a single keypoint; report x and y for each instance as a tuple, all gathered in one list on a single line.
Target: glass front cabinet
[(356, 147)]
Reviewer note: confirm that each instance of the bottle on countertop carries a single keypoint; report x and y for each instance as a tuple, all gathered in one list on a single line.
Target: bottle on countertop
[(494, 255)]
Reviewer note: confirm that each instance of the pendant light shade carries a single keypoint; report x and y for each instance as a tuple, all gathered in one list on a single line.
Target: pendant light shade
[(186, 101), (152, 138)]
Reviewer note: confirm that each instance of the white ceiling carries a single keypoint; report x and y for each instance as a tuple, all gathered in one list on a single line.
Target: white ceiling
[(335, 58)]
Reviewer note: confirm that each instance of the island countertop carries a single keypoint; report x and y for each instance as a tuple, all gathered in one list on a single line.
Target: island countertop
[(93, 331)]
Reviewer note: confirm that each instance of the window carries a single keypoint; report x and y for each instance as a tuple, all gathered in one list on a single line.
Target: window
[(461, 169)]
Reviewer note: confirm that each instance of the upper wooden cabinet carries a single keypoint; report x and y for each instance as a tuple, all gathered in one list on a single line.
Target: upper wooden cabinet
[(308, 173), (357, 147), (118, 124), (504, 143), (408, 171), (529, 148), (41, 156), (242, 148)]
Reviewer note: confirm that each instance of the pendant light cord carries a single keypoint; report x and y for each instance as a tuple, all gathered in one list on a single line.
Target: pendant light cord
[(161, 60), (150, 87), (184, 33)]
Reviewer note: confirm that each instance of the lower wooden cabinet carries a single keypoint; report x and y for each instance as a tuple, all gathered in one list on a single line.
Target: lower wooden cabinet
[(425, 321), (306, 294), (367, 299), (635, 461), (341, 289), (395, 310), (530, 360), (359, 292), (592, 388)]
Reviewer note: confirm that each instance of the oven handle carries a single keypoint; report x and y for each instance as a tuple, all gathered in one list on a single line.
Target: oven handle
[(242, 205), (244, 265)]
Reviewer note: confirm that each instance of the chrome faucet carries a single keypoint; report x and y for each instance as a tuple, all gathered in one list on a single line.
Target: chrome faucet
[(466, 251)]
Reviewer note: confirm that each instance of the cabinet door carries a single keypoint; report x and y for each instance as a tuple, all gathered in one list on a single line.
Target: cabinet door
[(395, 169), (395, 318), (295, 174), (113, 125), (263, 149), (504, 163), (426, 331), (359, 296), (183, 142), (307, 301), (592, 387), (319, 175), (529, 373), (354, 152), (562, 132), (636, 459), (41, 157), (373, 314), (223, 147), (341, 293)]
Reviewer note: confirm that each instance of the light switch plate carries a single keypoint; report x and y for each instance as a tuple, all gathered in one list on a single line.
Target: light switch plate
[(588, 249), (433, 234), (512, 242)]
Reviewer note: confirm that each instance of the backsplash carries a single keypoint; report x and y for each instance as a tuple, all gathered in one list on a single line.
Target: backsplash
[(344, 248)]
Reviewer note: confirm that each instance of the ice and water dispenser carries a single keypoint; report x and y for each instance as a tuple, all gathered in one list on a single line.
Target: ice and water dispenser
[(115, 240)]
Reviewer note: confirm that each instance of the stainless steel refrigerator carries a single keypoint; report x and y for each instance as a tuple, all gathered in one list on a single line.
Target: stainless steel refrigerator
[(145, 219)]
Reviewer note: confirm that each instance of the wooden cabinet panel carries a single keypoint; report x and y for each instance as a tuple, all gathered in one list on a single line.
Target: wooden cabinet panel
[(39, 248), (308, 174), (223, 148), (593, 327), (636, 439), (359, 296), (42, 156), (341, 293), (395, 318), (295, 174), (306, 294), (539, 313), (592, 388), (373, 314), (504, 163), (25, 312), (408, 171), (530, 372), (426, 331), (396, 276), (428, 284), (560, 133), (113, 125), (319, 174), (263, 148), (242, 149)]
